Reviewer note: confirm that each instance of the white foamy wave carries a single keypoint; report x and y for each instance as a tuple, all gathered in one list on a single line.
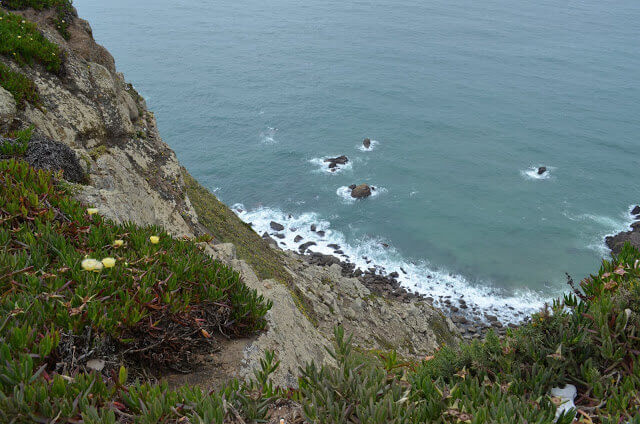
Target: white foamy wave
[(609, 226), (368, 252), (269, 136), (345, 193), (532, 173), (324, 166), (373, 145)]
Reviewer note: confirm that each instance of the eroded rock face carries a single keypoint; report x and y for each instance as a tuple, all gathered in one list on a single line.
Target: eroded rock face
[(7, 108), (132, 175)]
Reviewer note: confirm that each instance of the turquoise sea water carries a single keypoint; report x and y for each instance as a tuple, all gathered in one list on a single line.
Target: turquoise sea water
[(463, 98)]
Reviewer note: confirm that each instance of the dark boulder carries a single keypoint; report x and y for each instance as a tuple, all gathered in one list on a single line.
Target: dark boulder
[(366, 143), (542, 170), (45, 153), (361, 191), (313, 227), (352, 186), (304, 247), (340, 160), (636, 211), (275, 226), (297, 239), (321, 233)]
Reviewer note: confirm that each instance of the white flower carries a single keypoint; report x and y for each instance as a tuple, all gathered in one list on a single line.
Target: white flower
[(109, 262), (89, 264)]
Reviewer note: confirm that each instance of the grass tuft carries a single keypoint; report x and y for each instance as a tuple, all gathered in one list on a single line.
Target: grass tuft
[(21, 87)]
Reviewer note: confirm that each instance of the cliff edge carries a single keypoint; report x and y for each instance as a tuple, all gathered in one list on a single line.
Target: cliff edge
[(93, 125)]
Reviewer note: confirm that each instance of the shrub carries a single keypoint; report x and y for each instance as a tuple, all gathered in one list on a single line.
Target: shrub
[(151, 301), (20, 86), (18, 145), (21, 41), (590, 339)]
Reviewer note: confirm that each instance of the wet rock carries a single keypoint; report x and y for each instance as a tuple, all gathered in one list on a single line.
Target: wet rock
[(278, 235), (297, 239), (275, 226), (313, 227), (305, 246), (321, 233), (352, 186), (542, 170), (366, 143), (361, 191), (333, 246), (636, 210), (334, 162)]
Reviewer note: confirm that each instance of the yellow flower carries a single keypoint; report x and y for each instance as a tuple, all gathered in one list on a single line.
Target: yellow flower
[(154, 239), (24, 22), (19, 36), (109, 262), (91, 265), (92, 211), (118, 243)]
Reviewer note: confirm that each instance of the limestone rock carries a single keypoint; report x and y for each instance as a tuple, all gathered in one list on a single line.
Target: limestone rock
[(7, 107)]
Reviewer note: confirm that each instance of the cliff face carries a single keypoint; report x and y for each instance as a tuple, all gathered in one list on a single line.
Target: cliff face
[(130, 174)]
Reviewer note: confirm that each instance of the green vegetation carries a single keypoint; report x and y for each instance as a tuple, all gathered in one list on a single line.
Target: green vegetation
[(226, 227), (64, 11), (157, 301), (74, 284), (21, 41), (589, 339), (21, 87), (17, 144)]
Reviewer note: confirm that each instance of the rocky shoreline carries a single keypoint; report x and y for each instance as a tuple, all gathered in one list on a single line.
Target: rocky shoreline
[(472, 321), (617, 241)]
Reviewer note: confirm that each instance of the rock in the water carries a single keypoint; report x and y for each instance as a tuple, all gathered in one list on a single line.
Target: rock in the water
[(313, 227), (304, 247), (352, 186), (366, 143), (297, 239), (340, 160), (542, 170), (45, 153), (321, 233), (636, 211), (278, 235), (361, 191), (275, 226)]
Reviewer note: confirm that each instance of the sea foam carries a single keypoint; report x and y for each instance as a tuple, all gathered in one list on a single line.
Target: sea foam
[(531, 173), (368, 252)]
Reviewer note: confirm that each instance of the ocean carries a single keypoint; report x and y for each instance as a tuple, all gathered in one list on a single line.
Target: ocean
[(463, 99)]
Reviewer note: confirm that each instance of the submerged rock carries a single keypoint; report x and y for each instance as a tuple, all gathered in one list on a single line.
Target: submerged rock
[(361, 191)]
